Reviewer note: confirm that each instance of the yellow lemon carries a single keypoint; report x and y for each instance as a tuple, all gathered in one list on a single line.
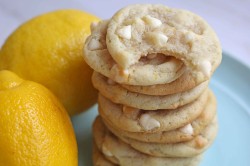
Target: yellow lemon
[(35, 129), (48, 49)]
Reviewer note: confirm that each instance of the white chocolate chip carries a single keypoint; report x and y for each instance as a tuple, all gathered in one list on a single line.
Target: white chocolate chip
[(205, 67), (139, 21), (94, 44), (157, 38), (149, 123), (106, 151), (188, 129), (190, 36), (125, 72), (118, 74), (162, 38), (111, 82), (125, 32), (153, 22)]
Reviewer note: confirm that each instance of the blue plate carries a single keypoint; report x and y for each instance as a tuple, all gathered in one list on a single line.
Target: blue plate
[(231, 85)]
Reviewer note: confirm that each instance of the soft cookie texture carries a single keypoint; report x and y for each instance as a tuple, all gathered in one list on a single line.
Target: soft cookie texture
[(158, 69), (131, 118), (190, 148), (171, 32), (186, 132), (125, 155), (185, 82), (118, 94)]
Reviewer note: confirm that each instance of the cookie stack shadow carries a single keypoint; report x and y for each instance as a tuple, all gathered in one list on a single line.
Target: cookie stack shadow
[(163, 124)]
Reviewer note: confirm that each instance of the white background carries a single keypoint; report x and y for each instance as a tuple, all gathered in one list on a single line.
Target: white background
[(229, 18)]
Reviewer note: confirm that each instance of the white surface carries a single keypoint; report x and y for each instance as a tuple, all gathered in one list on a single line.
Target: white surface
[(229, 18)]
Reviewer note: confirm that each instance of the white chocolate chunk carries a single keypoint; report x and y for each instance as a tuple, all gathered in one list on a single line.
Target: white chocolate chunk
[(162, 38), (125, 32), (190, 36), (188, 129), (205, 67), (118, 74), (106, 151), (94, 44), (138, 21), (149, 123), (157, 38), (125, 72), (153, 22)]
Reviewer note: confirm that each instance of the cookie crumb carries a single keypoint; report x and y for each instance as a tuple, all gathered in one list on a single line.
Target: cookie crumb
[(106, 151)]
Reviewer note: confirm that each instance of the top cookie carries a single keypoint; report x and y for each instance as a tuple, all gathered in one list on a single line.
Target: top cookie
[(138, 31), (156, 69)]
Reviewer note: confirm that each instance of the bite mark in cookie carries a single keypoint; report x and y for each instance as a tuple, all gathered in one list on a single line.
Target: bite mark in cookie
[(98, 57), (172, 32)]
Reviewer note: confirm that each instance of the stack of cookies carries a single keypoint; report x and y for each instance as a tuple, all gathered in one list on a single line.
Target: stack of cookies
[(152, 66)]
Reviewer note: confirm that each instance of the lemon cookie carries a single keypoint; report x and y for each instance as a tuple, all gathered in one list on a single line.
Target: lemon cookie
[(185, 82), (137, 31), (186, 132), (190, 148), (118, 94), (99, 159), (136, 120), (155, 69), (126, 155)]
